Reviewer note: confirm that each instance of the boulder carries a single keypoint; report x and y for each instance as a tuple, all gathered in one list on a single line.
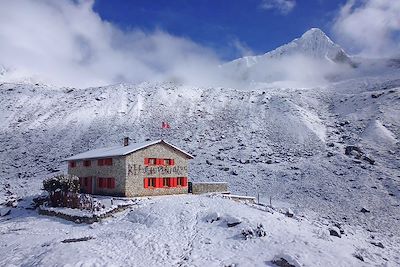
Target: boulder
[(364, 210), (334, 231), (289, 213), (232, 221), (212, 217)]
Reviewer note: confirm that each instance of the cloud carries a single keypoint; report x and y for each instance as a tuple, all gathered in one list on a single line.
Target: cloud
[(369, 27), (66, 43), (283, 6), (243, 49)]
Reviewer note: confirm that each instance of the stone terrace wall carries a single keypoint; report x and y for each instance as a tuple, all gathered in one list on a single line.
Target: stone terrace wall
[(210, 187)]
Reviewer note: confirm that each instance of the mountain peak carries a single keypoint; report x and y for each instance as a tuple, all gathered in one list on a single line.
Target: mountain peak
[(314, 32)]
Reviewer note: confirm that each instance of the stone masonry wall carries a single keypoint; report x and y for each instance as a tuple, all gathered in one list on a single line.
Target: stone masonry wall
[(116, 171), (201, 188), (136, 171)]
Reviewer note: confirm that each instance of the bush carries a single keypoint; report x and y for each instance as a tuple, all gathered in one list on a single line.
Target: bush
[(63, 191)]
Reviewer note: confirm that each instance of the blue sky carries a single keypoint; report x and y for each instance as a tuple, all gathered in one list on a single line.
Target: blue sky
[(225, 26)]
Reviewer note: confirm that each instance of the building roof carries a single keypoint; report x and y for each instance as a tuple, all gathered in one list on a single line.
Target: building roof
[(116, 151)]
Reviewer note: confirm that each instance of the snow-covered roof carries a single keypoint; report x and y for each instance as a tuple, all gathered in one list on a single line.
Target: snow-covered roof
[(121, 150)]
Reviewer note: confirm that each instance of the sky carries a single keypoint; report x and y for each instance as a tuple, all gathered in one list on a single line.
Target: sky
[(232, 28), (85, 43)]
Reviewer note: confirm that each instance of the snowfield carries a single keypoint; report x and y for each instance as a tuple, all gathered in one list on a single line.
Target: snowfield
[(177, 231)]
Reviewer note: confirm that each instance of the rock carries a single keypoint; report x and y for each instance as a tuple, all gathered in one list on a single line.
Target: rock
[(252, 233), (281, 262), (232, 221), (212, 217), (378, 244), (358, 256), (289, 213), (208, 162), (364, 210), (376, 95), (330, 144), (334, 231), (349, 150), (330, 154), (234, 173), (4, 211), (369, 160)]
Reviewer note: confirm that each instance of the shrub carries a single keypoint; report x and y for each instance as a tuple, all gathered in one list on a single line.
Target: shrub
[(63, 191)]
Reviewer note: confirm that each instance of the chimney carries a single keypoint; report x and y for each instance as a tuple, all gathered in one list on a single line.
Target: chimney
[(126, 141)]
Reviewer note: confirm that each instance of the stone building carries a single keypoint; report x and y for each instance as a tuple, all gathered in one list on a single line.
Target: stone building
[(140, 169)]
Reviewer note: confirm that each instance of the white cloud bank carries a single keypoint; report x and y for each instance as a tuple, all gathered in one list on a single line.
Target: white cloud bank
[(282, 6), (370, 27), (67, 44)]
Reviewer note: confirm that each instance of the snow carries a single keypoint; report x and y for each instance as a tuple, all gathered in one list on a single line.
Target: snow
[(119, 150), (173, 231)]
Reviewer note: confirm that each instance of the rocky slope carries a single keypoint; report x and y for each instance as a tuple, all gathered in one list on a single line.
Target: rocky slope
[(288, 144)]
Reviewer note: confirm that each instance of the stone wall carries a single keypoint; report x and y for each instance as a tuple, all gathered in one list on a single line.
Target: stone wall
[(116, 171), (201, 188), (136, 171)]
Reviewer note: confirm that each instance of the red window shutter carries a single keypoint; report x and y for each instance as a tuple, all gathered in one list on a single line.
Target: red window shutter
[(158, 161), (112, 182), (184, 181), (173, 182), (100, 182), (146, 161), (160, 182), (172, 162), (100, 162), (145, 182)]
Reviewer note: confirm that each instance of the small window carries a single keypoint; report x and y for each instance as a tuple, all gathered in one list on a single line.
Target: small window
[(180, 181), (166, 182), (72, 164), (110, 183), (86, 182), (108, 161), (152, 161), (151, 182), (87, 163), (100, 162), (167, 162)]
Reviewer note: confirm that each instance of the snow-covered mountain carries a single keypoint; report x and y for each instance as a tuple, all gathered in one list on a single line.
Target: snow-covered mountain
[(309, 60), (313, 44)]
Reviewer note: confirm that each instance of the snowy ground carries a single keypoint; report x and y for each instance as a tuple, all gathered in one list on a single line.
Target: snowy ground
[(173, 231)]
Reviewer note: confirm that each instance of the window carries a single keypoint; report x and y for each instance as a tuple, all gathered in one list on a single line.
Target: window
[(86, 181), (179, 181), (110, 183), (151, 182), (166, 182), (72, 164), (102, 162), (87, 163), (168, 162), (152, 161), (107, 183)]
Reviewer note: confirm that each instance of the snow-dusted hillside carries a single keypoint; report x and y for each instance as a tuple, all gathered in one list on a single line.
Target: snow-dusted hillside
[(285, 143)]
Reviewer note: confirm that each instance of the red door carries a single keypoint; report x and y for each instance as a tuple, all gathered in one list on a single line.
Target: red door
[(89, 187)]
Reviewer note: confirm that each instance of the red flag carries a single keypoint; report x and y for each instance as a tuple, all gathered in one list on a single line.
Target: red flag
[(165, 125)]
